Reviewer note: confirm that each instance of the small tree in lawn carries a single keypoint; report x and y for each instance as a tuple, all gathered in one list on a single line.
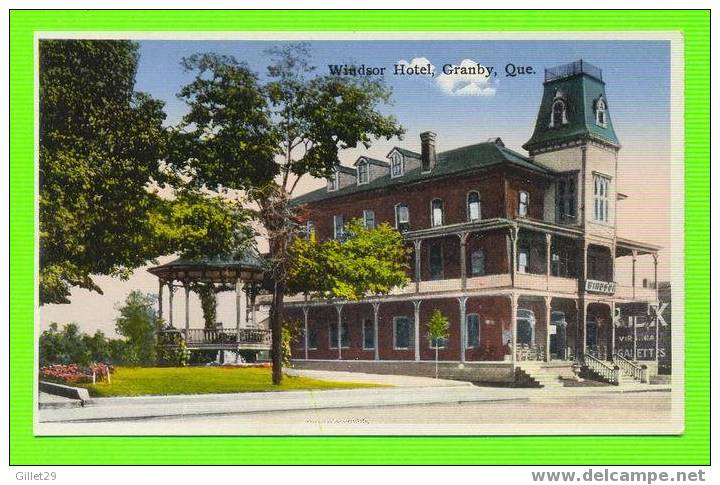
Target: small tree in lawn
[(438, 329)]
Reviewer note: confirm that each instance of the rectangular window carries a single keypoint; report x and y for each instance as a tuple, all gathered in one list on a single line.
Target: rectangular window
[(362, 173), (397, 165), (312, 339), (402, 218), (437, 212), (436, 262), (333, 182), (369, 219), (522, 261), (309, 228), (473, 331), (477, 263), (601, 186), (338, 227), (345, 337), (523, 203), (368, 334), (566, 199), (402, 333)]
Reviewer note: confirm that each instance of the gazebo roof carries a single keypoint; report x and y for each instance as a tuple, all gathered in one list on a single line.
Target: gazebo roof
[(224, 268)]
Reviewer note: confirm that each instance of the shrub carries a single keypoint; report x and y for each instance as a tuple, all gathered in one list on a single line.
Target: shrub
[(75, 373)]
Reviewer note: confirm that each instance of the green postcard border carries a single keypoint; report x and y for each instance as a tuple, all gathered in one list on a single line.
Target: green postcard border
[(693, 447)]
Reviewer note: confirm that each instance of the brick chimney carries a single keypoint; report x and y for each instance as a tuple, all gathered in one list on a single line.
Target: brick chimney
[(427, 151)]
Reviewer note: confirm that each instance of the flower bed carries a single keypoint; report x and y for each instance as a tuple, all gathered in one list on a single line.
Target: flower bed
[(75, 373)]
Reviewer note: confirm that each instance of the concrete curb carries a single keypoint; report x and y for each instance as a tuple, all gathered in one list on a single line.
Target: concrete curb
[(79, 393)]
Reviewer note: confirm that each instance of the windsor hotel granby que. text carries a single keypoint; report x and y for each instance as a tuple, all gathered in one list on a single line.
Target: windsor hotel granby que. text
[(518, 251)]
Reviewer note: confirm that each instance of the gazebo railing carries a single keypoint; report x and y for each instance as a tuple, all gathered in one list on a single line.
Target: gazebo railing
[(227, 336)]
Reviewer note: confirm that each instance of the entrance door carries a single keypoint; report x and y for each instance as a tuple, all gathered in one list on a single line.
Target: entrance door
[(558, 336)]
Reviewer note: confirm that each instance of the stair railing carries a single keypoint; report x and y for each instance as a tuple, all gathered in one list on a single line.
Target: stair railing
[(630, 368), (601, 368)]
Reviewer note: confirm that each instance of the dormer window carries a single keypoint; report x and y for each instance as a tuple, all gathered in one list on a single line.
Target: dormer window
[(396, 165), (601, 113), (362, 172), (333, 181), (558, 116)]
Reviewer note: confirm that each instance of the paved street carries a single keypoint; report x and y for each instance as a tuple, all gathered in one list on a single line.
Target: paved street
[(531, 413)]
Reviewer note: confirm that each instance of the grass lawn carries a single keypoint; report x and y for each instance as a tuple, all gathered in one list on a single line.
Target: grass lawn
[(165, 381)]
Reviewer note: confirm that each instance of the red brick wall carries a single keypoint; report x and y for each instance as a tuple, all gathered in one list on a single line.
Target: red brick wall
[(494, 244), (534, 187), (494, 315), (417, 197)]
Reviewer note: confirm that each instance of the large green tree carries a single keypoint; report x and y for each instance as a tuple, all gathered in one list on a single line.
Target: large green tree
[(107, 203), (138, 323), (262, 135)]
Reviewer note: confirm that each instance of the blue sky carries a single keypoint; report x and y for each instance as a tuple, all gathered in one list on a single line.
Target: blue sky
[(636, 74)]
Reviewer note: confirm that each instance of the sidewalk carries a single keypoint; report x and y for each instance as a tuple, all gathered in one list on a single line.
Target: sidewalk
[(132, 408)]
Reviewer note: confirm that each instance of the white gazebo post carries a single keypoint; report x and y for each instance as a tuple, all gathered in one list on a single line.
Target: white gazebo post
[(171, 288), (238, 306), (160, 299), (187, 310)]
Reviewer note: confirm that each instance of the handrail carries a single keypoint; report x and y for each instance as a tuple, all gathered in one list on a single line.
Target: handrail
[(604, 370), (227, 336), (629, 367)]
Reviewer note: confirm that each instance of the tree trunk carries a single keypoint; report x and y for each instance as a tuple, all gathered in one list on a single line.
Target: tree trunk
[(436, 360), (276, 330)]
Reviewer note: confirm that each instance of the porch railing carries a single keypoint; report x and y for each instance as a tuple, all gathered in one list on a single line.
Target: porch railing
[(530, 353), (630, 368), (603, 369)]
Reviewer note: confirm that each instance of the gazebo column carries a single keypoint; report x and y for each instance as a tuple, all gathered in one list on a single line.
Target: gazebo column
[(160, 299), (187, 310), (238, 305), (171, 288)]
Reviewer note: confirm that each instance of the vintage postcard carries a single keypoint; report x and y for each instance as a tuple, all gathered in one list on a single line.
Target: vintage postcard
[(359, 233)]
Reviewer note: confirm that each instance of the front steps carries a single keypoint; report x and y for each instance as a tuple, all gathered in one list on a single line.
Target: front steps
[(542, 374), (622, 378)]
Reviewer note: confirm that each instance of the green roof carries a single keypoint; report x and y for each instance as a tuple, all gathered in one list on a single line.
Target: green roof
[(248, 259), (407, 153), (451, 162), (373, 161), (581, 87), (345, 169)]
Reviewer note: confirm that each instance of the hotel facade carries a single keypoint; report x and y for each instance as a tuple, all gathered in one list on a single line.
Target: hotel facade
[(518, 251)]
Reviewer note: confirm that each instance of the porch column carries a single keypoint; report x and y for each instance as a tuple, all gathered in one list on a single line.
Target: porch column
[(418, 247), (171, 288), (584, 332), (513, 253), (338, 308), (376, 321), (634, 261), (160, 299), (463, 326), (548, 256), (513, 318), (305, 310), (548, 312), (612, 330), (657, 302), (417, 329), (463, 259), (187, 310), (634, 325)]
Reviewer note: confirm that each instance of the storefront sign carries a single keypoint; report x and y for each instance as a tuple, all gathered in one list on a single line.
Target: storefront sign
[(604, 287)]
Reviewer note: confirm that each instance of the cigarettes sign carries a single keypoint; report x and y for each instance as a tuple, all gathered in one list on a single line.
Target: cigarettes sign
[(604, 287)]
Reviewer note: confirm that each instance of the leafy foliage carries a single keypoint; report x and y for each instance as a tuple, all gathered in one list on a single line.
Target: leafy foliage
[(101, 146), (437, 327), (171, 350), (137, 323), (262, 138), (366, 262)]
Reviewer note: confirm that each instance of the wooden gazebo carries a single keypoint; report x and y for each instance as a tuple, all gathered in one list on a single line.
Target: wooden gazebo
[(246, 272)]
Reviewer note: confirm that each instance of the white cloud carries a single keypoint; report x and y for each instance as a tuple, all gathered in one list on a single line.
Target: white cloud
[(474, 82), (418, 63)]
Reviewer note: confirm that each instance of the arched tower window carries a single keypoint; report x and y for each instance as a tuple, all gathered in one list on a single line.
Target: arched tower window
[(558, 117), (601, 113), (473, 206)]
